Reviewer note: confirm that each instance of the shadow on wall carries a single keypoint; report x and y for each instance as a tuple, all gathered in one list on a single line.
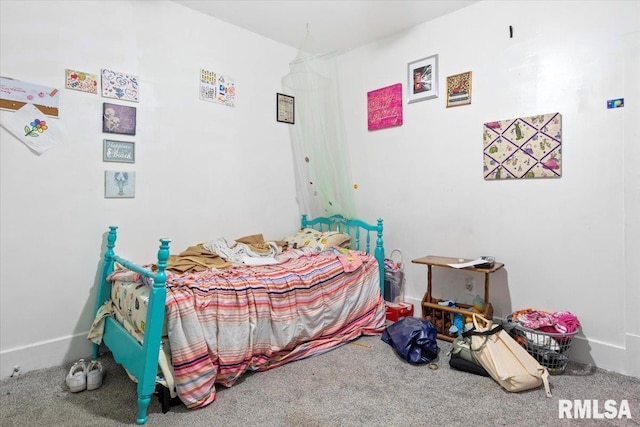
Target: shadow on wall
[(80, 346)]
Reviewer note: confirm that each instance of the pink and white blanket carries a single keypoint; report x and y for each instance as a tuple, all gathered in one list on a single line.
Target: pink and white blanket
[(223, 323)]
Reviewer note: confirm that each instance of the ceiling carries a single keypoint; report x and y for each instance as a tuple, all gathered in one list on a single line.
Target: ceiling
[(336, 25)]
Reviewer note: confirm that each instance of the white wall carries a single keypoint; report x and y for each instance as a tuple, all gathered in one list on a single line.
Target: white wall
[(567, 244), (206, 171), (203, 170)]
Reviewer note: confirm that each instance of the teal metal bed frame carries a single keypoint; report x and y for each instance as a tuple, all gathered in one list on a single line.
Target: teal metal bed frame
[(141, 360)]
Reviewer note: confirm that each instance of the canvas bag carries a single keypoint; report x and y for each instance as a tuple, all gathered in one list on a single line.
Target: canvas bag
[(504, 359)]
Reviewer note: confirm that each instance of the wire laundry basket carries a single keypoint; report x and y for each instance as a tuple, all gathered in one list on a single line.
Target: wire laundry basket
[(550, 349)]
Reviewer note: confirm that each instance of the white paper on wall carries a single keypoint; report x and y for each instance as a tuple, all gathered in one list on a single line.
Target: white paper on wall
[(32, 127)]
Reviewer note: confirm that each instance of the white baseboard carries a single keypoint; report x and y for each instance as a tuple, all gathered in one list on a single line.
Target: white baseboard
[(607, 356), (44, 354), (47, 354)]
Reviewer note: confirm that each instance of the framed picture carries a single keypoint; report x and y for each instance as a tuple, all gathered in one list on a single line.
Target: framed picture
[(459, 89), (423, 79), (118, 151), (285, 111), (118, 119), (119, 184)]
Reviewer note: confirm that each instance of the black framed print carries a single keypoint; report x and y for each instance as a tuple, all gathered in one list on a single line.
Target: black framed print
[(285, 108)]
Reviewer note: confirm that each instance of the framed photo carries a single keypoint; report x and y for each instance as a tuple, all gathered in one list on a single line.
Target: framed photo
[(118, 119), (119, 184), (118, 151), (285, 108), (459, 89), (423, 79)]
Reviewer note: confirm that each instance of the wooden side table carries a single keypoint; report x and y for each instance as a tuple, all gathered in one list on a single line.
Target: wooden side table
[(440, 315)]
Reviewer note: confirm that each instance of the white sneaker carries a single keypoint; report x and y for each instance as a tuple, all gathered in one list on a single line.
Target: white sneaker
[(94, 375), (77, 377)]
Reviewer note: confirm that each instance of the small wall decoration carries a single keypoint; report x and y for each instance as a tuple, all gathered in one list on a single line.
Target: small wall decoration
[(15, 94), (79, 80), (118, 119), (527, 147), (119, 184), (384, 107), (215, 87), (423, 79), (285, 108), (32, 128), (459, 89), (119, 86), (118, 151)]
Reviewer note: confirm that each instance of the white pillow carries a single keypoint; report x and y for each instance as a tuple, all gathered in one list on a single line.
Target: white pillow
[(314, 240)]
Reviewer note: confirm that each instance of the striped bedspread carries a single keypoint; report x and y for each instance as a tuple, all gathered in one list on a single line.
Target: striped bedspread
[(223, 323)]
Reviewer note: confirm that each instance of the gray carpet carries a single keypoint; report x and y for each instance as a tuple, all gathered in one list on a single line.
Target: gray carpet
[(354, 385)]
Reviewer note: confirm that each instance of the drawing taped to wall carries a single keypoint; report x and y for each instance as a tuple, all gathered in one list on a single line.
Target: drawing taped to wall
[(33, 128), (526, 147), (15, 94), (217, 88), (119, 184)]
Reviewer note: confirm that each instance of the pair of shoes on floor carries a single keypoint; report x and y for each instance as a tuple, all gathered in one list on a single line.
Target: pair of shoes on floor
[(82, 376)]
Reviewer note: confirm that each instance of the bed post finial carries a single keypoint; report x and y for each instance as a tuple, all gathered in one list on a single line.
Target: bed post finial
[(303, 221), (163, 255), (111, 241)]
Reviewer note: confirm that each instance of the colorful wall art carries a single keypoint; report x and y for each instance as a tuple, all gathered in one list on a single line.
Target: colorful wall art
[(79, 80), (120, 86), (384, 107), (526, 147), (215, 87), (33, 128), (118, 119), (15, 94)]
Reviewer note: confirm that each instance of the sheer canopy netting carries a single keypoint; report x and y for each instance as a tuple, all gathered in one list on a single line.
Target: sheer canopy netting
[(320, 154)]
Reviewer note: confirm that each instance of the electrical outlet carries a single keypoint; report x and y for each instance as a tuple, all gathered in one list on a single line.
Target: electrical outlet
[(469, 286)]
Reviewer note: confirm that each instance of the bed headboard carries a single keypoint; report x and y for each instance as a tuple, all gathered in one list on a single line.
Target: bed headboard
[(361, 234)]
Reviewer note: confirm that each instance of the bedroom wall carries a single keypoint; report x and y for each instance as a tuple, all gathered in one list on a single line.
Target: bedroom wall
[(203, 170), (567, 244)]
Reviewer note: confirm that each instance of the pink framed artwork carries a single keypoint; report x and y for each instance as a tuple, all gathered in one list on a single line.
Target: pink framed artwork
[(384, 107)]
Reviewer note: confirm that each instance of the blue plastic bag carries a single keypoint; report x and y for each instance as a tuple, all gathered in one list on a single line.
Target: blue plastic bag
[(413, 339)]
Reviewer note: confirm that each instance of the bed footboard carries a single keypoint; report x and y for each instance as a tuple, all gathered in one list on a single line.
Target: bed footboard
[(355, 228), (141, 360)]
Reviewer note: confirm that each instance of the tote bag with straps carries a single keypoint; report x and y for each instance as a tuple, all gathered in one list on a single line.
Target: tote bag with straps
[(504, 359)]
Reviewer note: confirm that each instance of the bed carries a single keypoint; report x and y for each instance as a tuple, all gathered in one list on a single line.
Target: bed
[(215, 324)]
